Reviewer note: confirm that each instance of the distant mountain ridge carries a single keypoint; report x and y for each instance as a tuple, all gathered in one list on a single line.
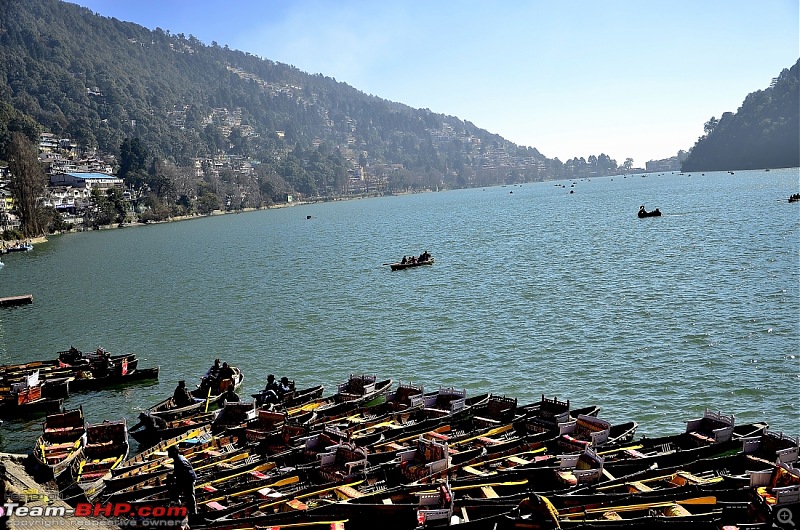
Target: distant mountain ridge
[(231, 123)]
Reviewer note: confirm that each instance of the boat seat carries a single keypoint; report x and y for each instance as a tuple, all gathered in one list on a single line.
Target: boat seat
[(296, 504), (638, 487), (489, 492), (349, 492), (472, 471)]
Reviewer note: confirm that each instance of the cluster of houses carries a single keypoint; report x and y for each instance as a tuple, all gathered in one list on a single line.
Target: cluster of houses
[(70, 185)]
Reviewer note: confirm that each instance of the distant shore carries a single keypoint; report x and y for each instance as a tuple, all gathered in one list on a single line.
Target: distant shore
[(43, 239)]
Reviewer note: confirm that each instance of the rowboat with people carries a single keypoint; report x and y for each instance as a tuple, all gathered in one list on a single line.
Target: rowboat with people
[(414, 261), (205, 398)]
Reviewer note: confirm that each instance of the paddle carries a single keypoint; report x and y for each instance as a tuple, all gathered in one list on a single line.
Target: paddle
[(208, 398)]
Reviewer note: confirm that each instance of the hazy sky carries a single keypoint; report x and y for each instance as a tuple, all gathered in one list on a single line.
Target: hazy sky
[(628, 78)]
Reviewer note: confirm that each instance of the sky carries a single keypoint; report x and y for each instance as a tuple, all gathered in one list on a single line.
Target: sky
[(572, 78)]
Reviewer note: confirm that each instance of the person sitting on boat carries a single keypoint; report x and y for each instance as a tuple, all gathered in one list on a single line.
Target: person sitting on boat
[(270, 394), (285, 387), (181, 396), (425, 256), (642, 211), (212, 375), (149, 422), (225, 376), (106, 367), (405, 260), (230, 396), (183, 479)]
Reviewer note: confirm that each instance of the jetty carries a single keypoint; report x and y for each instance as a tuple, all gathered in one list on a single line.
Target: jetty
[(21, 299)]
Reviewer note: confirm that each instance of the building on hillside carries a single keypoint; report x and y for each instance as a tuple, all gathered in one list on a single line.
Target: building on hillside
[(67, 199), (8, 220), (89, 181)]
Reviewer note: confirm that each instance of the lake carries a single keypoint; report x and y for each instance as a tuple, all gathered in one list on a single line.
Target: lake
[(552, 288)]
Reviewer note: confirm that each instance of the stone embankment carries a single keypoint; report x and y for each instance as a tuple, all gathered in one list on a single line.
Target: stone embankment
[(18, 487)]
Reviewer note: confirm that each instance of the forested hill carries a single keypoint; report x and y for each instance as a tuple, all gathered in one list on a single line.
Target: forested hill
[(99, 81), (763, 133)]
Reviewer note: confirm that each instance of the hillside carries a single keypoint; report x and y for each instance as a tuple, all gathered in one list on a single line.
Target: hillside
[(98, 81), (763, 133), (183, 120)]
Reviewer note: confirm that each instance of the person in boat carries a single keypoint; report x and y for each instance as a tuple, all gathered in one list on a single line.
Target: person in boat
[(285, 387), (425, 256), (271, 384), (405, 260), (271, 392), (183, 479), (642, 211), (230, 396), (225, 372), (211, 379), (149, 422), (106, 367), (181, 396)]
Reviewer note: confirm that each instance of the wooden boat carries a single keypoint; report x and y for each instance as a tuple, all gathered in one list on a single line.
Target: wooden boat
[(588, 431), (20, 247), (106, 448), (409, 265), (168, 411), (713, 433), (293, 398), (234, 414), (644, 213), (148, 437), (192, 437), (74, 370), (772, 446), (22, 399), (216, 454), (62, 441), (126, 377), (358, 390)]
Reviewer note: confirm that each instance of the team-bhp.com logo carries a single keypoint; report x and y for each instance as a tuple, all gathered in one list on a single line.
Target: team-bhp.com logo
[(86, 509)]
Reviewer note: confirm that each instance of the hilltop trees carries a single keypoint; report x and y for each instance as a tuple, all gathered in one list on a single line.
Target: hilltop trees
[(28, 182), (763, 133)]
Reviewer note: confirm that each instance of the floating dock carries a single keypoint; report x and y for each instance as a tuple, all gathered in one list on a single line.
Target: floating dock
[(16, 300)]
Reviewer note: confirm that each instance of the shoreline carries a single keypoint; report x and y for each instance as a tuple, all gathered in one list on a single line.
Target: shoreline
[(5, 244)]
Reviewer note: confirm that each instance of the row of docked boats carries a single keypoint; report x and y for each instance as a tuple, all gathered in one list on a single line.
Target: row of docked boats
[(372, 453), (41, 386)]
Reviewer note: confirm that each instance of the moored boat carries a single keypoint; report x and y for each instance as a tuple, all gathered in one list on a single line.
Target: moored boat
[(106, 448), (205, 399), (62, 441), (358, 390)]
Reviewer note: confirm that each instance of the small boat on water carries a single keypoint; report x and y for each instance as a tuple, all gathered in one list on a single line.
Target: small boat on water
[(410, 264), (20, 247), (644, 213), (23, 398), (62, 441), (203, 401)]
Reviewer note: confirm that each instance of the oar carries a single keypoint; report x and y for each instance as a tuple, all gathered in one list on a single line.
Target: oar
[(208, 398)]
